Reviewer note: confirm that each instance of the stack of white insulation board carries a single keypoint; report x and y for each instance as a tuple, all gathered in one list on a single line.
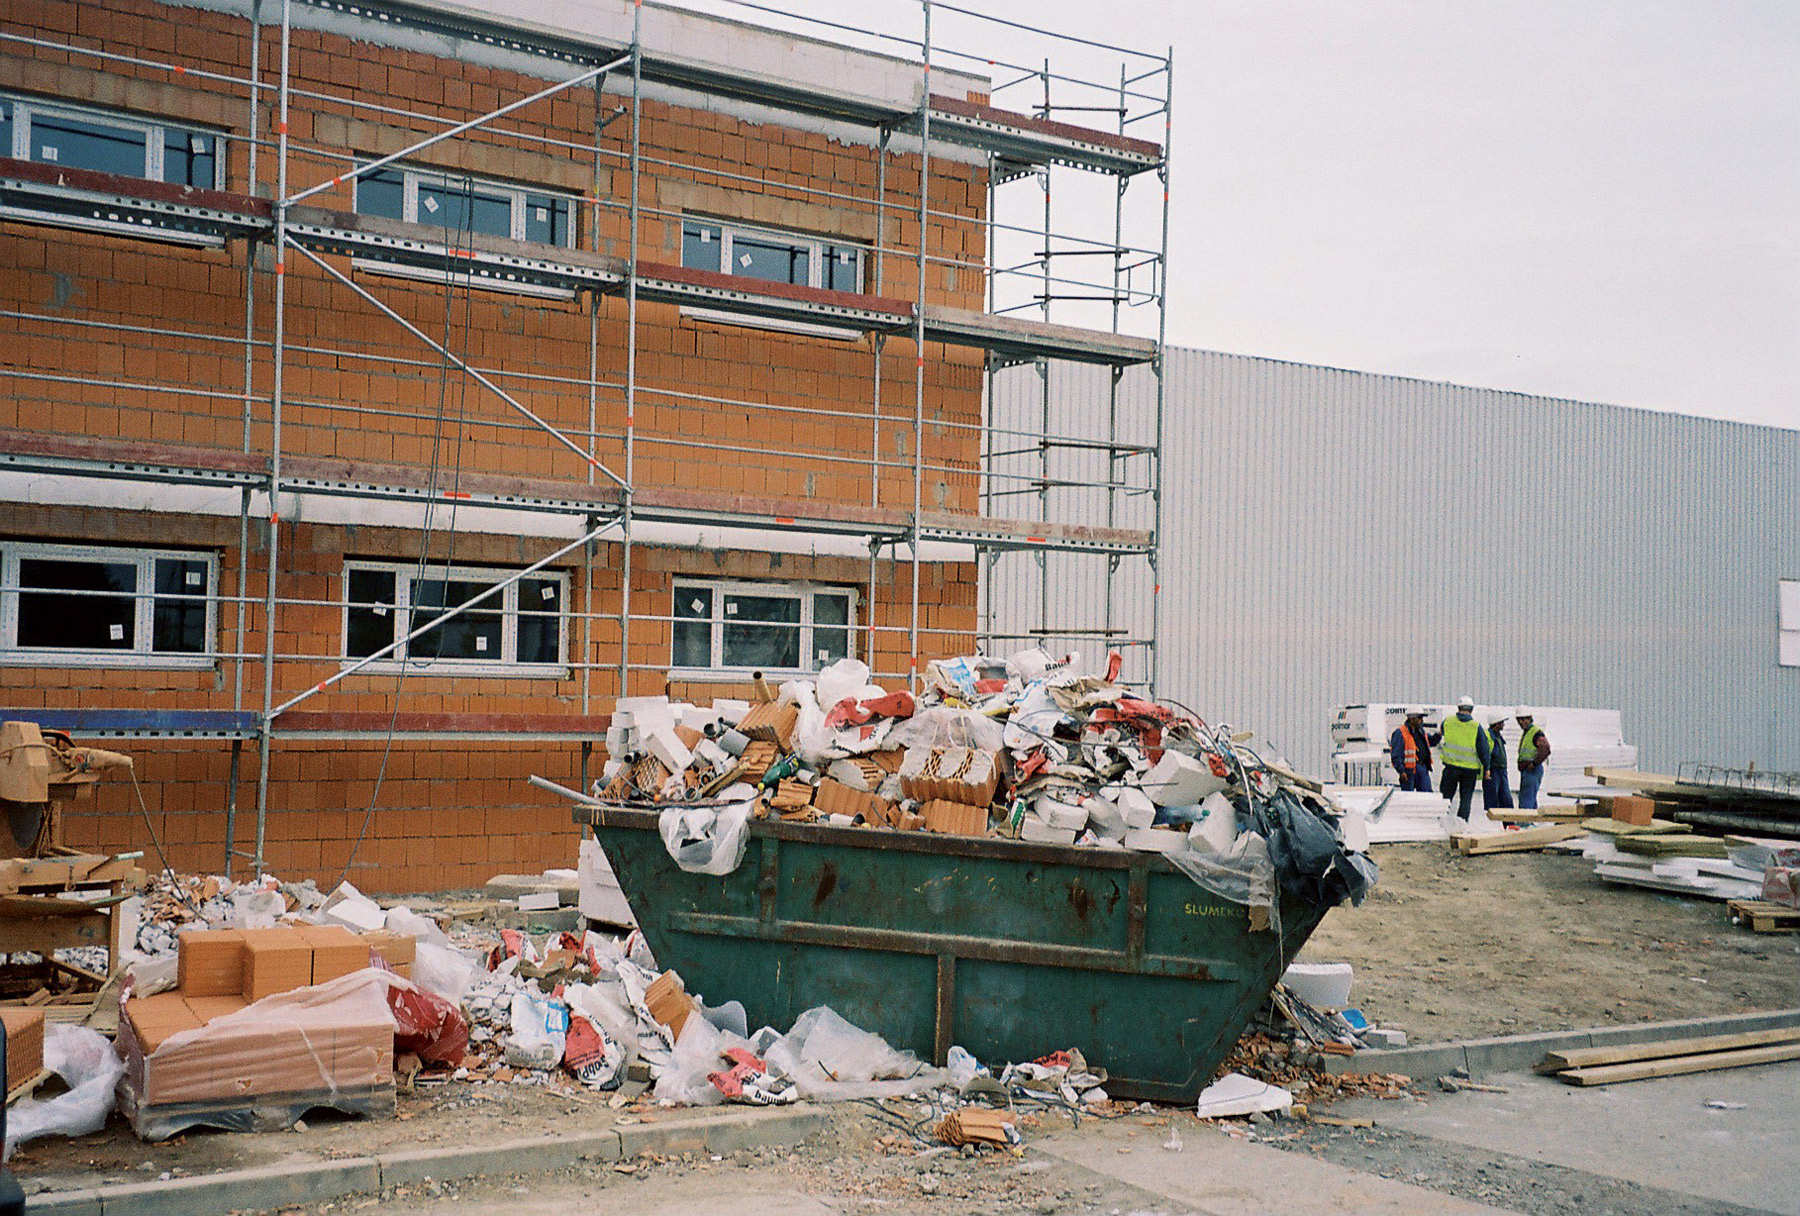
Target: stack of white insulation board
[(1392, 816), (1701, 877)]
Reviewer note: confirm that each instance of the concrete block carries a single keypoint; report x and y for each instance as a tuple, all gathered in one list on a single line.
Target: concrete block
[(65, 1203), (725, 1131), (1515, 1053), (413, 1166), (275, 1186)]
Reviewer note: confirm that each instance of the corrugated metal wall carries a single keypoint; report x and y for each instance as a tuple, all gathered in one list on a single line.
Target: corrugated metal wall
[(1334, 536)]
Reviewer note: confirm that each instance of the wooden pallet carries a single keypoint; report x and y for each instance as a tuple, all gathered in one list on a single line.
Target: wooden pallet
[(27, 1086), (1761, 916)]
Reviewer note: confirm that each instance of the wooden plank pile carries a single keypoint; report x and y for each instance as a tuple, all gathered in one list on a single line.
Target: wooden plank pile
[(1671, 1057), (1756, 803), (1525, 840)]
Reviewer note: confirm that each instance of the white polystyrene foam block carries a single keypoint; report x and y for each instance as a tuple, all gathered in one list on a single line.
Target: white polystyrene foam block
[(1322, 985)]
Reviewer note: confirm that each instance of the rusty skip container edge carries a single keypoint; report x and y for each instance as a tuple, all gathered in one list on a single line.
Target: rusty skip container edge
[(1008, 949)]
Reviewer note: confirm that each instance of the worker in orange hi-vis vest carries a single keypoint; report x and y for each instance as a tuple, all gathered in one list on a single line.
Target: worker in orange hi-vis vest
[(1410, 754)]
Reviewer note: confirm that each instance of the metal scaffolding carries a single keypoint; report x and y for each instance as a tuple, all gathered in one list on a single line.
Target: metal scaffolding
[(611, 494)]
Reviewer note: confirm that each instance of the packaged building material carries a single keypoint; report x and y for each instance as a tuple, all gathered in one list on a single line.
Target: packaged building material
[(24, 1045), (955, 774), (1178, 780), (1781, 885), (335, 951), (261, 1066), (211, 962), (275, 960)]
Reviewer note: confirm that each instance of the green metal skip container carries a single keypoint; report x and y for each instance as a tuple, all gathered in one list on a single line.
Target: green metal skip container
[(1008, 949)]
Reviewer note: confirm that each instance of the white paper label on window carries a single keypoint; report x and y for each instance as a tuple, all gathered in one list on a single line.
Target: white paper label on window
[(824, 655), (116, 632), (542, 213), (844, 257), (381, 610), (730, 609), (697, 607), (197, 144), (744, 260), (193, 578), (706, 236), (430, 203), (481, 643), (548, 593), (47, 152)]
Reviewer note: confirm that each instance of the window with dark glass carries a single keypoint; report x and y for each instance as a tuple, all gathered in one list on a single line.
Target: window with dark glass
[(97, 603), (459, 203), (775, 257), (76, 137), (519, 625), (760, 626)]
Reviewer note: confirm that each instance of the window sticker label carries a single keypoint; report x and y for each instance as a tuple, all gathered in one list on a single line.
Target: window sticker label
[(197, 144), (698, 606), (381, 610), (744, 259), (730, 609), (542, 213), (429, 203), (706, 236), (548, 593), (48, 152), (193, 578), (116, 632), (481, 643)]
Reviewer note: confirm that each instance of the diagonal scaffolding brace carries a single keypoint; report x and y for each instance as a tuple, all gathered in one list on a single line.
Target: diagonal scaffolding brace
[(393, 647), (458, 129), (442, 350)]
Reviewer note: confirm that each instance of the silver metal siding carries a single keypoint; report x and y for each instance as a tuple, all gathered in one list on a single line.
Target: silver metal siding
[(1334, 536)]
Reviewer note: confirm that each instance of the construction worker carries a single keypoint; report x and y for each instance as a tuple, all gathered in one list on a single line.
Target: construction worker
[(1410, 753), (1496, 787), (1534, 750), (1464, 752)]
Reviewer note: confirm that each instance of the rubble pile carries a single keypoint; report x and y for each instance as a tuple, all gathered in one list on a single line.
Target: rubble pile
[(1027, 748)]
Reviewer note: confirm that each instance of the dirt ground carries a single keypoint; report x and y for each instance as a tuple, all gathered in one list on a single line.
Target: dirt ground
[(1446, 947), (1451, 947)]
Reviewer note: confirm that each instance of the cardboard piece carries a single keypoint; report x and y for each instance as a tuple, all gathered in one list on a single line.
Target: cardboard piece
[(395, 949), (210, 962), (668, 1002), (24, 1045)]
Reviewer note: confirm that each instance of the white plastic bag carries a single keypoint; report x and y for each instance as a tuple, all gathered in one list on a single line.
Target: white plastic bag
[(844, 678), (708, 840), (85, 1060), (402, 919), (539, 1031), (441, 970), (832, 1060)]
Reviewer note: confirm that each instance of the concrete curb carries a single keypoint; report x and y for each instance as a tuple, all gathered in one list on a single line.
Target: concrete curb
[(1521, 1052), (316, 1182)]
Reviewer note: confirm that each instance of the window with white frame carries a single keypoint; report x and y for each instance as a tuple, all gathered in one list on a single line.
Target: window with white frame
[(776, 257), (1788, 621), (518, 629), (106, 606), (466, 204), (744, 627), (81, 137)]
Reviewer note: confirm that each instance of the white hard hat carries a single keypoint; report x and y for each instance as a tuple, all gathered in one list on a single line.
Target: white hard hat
[(1465, 703), (1524, 711), (1498, 713)]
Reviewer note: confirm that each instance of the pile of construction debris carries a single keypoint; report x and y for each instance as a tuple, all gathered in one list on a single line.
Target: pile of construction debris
[(1027, 748)]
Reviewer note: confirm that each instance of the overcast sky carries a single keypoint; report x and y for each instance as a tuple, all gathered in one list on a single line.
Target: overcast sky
[(1597, 199)]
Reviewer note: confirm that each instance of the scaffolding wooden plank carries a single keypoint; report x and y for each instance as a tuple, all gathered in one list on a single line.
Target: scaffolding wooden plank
[(1674, 1066), (1625, 1053)]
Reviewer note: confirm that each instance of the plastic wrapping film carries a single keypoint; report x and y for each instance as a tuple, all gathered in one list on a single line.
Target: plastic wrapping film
[(86, 1061), (266, 1065)]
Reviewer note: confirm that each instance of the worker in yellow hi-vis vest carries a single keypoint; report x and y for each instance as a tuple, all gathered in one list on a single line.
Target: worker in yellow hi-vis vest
[(1463, 747)]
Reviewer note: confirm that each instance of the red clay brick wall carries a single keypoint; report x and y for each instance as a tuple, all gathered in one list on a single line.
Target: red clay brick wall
[(798, 420), (799, 423)]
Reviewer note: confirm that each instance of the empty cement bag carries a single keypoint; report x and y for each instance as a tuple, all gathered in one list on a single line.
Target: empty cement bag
[(85, 1060), (709, 839)]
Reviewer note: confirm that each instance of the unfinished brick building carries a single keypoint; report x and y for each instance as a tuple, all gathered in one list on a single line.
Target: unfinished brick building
[(384, 388)]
